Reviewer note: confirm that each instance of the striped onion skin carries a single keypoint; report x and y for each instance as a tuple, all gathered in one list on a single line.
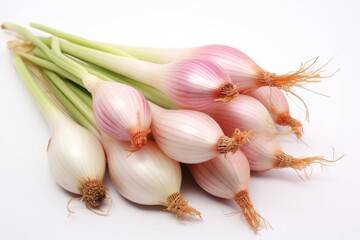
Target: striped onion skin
[(246, 114), (185, 135), (190, 136), (276, 103), (75, 155), (228, 177), (223, 177), (272, 98), (243, 71), (147, 177), (197, 84), (122, 112), (260, 153)]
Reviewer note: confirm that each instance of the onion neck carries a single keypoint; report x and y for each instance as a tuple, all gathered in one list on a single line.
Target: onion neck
[(155, 109), (142, 71), (50, 111), (91, 82), (156, 55)]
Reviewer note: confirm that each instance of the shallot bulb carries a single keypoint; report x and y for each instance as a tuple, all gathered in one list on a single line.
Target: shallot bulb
[(147, 177), (276, 103), (196, 84), (228, 178), (243, 71), (77, 161), (76, 157), (120, 111), (190, 136)]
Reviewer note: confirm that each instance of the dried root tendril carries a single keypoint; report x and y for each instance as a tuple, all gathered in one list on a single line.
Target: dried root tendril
[(295, 125), (20, 46), (94, 195), (177, 204), (228, 92), (253, 218), (304, 75), (300, 164), (233, 143)]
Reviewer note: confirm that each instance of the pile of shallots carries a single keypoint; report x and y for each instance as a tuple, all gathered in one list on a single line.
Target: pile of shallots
[(141, 112)]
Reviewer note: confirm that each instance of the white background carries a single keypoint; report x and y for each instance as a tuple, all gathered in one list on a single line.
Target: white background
[(278, 35)]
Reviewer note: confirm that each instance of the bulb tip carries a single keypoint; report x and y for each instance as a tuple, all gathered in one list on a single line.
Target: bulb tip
[(233, 143), (139, 140), (93, 193), (177, 204), (227, 93)]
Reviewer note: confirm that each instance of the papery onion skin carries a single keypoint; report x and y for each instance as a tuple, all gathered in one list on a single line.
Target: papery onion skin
[(75, 155), (243, 71), (198, 84), (260, 153), (272, 98), (276, 103), (228, 178), (222, 177), (122, 113), (187, 136), (245, 113), (146, 177)]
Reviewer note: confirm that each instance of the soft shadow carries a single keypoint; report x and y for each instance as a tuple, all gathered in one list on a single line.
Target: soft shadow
[(289, 175)]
